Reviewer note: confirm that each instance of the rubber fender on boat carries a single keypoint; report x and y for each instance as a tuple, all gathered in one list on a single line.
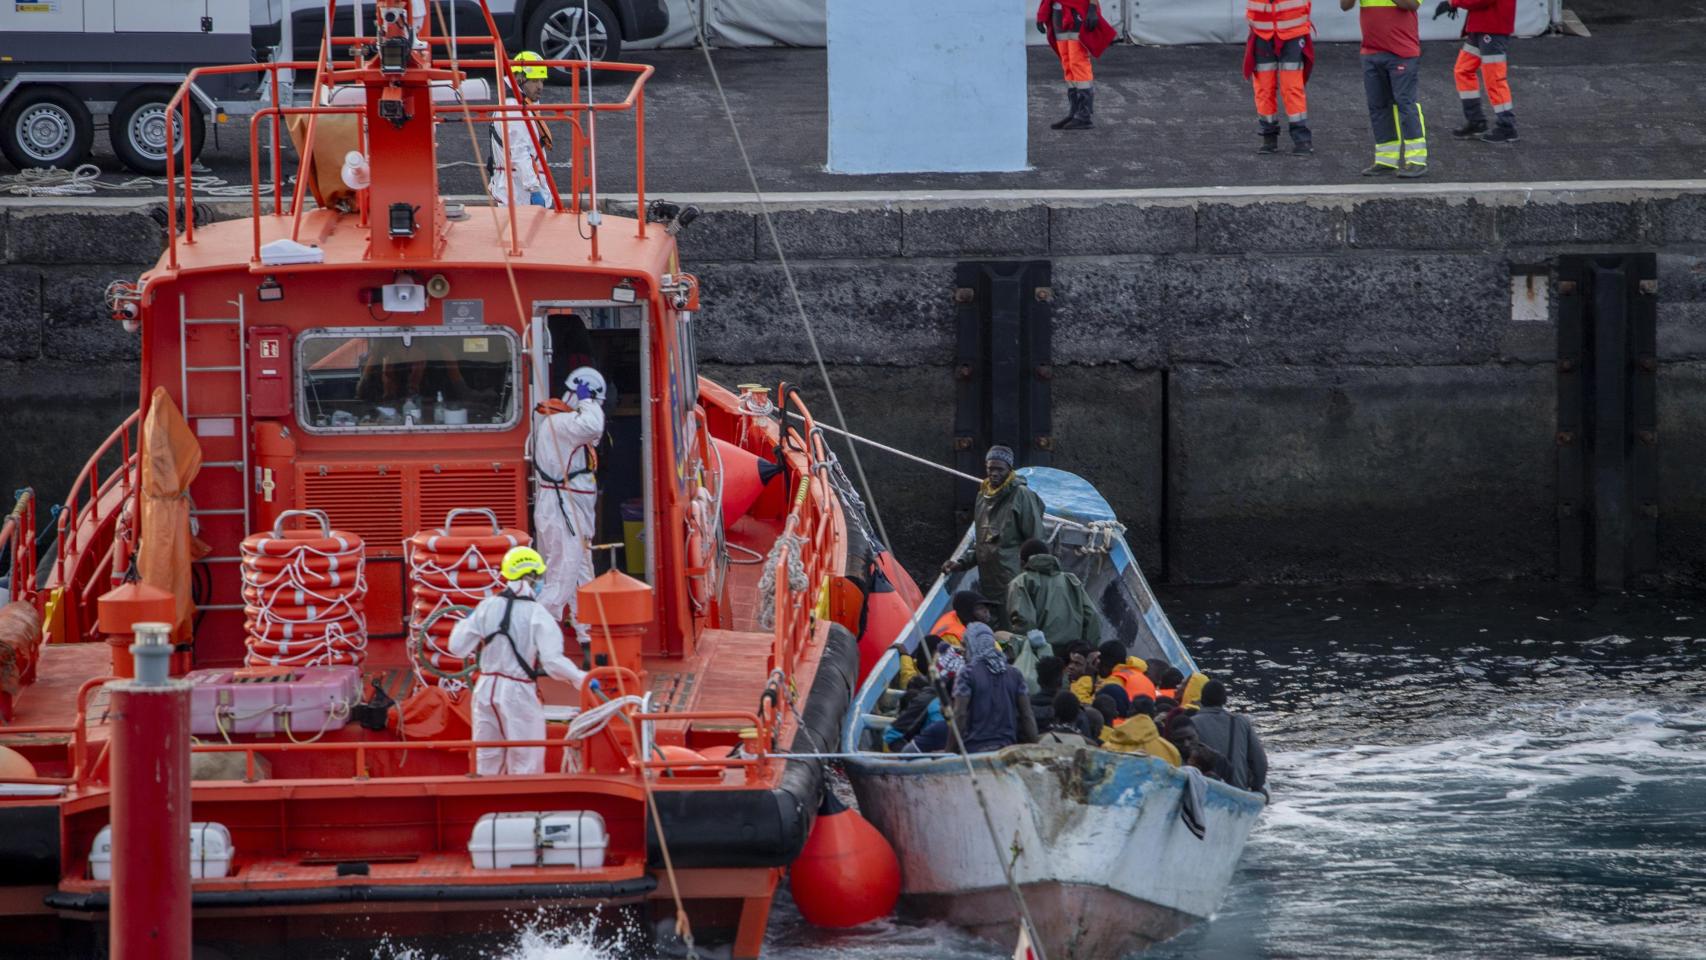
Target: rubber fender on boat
[(745, 476), (15, 766), (886, 614), (847, 874)]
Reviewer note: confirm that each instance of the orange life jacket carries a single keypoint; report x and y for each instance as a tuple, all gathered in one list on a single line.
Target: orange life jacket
[(1134, 681), (949, 627), (1280, 19)]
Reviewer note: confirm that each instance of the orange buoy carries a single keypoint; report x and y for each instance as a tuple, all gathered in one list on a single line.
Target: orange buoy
[(886, 616), (744, 477), (15, 766), (847, 874), (673, 754)]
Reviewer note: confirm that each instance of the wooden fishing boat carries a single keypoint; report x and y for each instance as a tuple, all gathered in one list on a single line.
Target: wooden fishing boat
[(1095, 838), (359, 372)]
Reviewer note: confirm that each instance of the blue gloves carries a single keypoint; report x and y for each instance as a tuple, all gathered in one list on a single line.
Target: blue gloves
[(582, 391), (538, 199)]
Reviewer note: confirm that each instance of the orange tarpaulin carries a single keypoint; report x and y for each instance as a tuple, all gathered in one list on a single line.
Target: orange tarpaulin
[(171, 457)]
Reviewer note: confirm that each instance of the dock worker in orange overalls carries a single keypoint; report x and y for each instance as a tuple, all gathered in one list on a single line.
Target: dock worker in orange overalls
[(1077, 31), (1486, 43), (1278, 58)]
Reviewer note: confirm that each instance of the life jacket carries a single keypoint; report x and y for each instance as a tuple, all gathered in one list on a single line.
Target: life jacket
[(949, 627), (533, 670), (1134, 681), (1279, 19)]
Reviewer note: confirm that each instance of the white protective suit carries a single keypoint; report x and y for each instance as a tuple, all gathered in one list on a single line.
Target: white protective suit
[(506, 701), (565, 512), (527, 164)]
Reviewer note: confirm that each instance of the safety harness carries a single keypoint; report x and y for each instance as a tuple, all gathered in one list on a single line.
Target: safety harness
[(589, 464), (533, 670)]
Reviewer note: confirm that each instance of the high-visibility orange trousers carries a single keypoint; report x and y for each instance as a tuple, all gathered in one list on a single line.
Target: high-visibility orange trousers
[(1483, 58), (1279, 73), (1075, 63)]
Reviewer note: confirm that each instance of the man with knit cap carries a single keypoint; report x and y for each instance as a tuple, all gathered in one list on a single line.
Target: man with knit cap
[(1006, 515)]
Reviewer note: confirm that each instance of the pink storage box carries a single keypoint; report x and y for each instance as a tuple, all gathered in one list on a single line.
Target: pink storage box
[(313, 698)]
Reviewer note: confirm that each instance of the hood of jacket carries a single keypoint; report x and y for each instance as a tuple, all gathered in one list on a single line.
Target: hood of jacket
[(1044, 563)]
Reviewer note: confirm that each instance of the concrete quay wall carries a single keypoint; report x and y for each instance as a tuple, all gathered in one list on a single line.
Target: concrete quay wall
[(1306, 385)]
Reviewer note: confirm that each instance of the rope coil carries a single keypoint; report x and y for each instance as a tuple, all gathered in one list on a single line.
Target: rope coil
[(451, 569)]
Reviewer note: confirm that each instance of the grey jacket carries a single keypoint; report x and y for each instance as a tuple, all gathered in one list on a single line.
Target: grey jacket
[(1234, 738)]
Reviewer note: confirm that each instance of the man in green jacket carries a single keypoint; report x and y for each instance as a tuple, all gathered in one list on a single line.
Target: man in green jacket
[(1007, 514), (1047, 599)]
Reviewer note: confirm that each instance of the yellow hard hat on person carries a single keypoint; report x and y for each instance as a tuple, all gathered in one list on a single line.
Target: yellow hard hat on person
[(530, 65), (521, 562)]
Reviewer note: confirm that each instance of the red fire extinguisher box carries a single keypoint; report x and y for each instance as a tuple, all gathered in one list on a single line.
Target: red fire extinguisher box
[(269, 372)]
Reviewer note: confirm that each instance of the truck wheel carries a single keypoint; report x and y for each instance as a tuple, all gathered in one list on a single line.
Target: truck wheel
[(138, 130), (562, 29), (46, 127)]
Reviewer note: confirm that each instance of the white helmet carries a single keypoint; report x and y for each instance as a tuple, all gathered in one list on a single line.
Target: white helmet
[(586, 382)]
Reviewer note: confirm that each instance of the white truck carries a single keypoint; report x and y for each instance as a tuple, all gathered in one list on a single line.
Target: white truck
[(65, 62)]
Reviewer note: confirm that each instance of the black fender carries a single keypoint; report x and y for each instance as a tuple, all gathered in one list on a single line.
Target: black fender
[(764, 828)]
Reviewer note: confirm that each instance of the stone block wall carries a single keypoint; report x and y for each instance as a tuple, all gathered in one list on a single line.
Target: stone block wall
[(1331, 384)]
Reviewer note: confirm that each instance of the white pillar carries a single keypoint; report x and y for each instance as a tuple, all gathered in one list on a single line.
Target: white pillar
[(926, 87)]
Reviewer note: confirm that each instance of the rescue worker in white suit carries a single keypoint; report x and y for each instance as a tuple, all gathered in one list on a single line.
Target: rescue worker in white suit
[(525, 164), (517, 642), (565, 456)]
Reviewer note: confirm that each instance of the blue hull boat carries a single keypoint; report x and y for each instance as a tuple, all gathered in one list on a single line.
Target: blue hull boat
[(1094, 838)]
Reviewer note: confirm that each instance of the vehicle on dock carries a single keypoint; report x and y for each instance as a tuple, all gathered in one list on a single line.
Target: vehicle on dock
[(1096, 841), (338, 397)]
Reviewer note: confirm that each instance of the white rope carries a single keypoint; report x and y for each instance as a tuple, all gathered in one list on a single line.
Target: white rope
[(829, 386), (86, 180), (789, 544)]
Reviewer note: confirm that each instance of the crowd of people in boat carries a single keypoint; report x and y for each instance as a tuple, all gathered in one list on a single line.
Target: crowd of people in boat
[(1023, 660)]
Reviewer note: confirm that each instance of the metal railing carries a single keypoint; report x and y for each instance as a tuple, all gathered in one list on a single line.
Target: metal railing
[(328, 74), (92, 550), (18, 545)]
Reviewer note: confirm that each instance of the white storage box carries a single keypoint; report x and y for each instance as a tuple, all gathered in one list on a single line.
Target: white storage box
[(553, 838), (210, 852)]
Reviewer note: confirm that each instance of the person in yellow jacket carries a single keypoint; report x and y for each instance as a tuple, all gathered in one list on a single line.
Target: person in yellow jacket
[(1113, 666), (1191, 695), (1137, 734)]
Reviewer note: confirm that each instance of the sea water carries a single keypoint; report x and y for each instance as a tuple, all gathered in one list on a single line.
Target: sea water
[(1490, 772)]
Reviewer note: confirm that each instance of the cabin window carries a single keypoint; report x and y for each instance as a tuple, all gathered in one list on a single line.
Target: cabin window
[(385, 380)]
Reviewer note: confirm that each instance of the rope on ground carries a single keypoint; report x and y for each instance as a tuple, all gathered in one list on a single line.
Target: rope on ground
[(86, 180)]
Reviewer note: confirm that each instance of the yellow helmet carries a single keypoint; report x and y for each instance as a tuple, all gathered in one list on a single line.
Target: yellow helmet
[(522, 561), (530, 65)]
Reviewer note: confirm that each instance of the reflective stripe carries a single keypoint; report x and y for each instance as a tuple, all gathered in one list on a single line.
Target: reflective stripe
[(1268, 117), (1376, 3), (1291, 66), (1471, 49), (1416, 150), (1067, 36), (1502, 107), (1494, 58), (1474, 94), (1386, 151), (1297, 117), (1295, 22), (1291, 4), (1255, 6), (1267, 67)]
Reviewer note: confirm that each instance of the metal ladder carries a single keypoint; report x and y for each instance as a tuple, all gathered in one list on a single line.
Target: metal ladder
[(240, 370)]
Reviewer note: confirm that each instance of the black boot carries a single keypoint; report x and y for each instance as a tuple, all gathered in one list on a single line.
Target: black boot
[(1072, 111), (1270, 143), (1470, 129), (1081, 120), (1302, 141)]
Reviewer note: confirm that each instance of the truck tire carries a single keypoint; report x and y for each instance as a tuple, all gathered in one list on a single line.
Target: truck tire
[(138, 130), (46, 127), (556, 31)]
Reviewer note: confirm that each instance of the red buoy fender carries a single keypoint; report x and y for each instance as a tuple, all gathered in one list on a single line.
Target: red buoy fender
[(847, 874)]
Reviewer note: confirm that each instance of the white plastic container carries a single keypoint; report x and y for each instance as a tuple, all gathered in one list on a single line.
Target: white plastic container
[(210, 852), (552, 838)]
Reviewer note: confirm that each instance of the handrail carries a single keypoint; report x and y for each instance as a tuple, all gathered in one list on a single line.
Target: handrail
[(329, 72), (78, 747), (19, 533), (77, 572)]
